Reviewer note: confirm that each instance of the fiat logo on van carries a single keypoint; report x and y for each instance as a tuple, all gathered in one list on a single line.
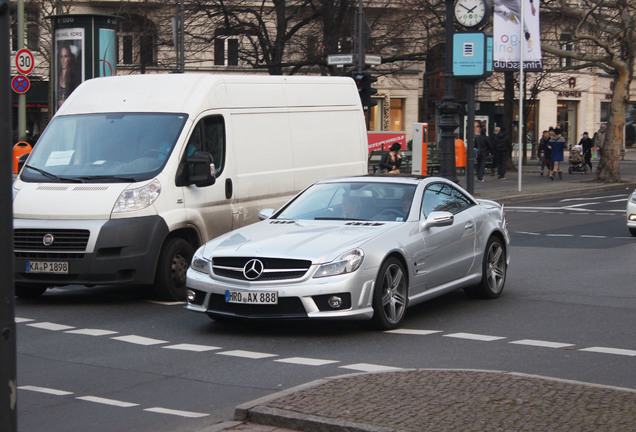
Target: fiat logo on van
[(48, 239)]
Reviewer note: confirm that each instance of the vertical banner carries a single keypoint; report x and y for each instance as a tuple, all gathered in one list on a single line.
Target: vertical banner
[(69, 67), (508, 30), (107, 52)]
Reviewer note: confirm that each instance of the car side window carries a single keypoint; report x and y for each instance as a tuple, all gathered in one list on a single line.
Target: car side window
[(443, 197), (209, 136)]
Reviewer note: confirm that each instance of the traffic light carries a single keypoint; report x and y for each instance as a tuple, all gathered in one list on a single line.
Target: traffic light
[(363, 82)]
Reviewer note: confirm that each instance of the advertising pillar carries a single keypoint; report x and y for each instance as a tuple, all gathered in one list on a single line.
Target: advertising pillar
[(84, 47)]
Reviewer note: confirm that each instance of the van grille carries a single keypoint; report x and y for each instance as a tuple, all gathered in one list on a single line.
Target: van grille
[(63, 240), (273, 268)]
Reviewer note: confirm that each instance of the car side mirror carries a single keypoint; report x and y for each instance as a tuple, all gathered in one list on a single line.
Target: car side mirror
[(439, 219), (200, 168), (265, 214)]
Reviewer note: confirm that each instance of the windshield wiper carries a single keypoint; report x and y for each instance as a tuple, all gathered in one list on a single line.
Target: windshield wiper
[(53, 176), (110, 177)]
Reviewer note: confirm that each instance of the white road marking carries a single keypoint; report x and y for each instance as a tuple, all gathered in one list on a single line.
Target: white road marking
[(606, 350), (22, 320), (528, 233), (247, 354), (46, 390), (306, 361), (192, 347), (176, 412), (50, 326), (540, 343), (619, 200), (367, 367), (91, 332), (413, 332), (559, 235), (472, 336), (139, 340), (105, 401), (593, 236)]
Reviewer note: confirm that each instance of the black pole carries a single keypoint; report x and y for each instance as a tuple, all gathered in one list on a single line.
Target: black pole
[(8, 379), (470, 136), (448, 107)]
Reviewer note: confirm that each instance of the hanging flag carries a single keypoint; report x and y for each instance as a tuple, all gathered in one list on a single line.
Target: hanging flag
[(508, 31)]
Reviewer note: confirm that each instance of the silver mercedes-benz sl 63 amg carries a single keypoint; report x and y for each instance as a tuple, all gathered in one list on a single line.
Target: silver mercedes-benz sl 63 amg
[(354, 248)]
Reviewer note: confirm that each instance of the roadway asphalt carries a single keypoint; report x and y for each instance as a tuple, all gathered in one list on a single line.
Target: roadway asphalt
[(454, 400)]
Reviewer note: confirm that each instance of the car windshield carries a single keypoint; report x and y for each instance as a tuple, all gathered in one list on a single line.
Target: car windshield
[(115, 147), (352, 201)]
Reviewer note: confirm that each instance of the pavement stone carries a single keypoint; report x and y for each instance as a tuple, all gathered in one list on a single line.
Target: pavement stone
[(435, 400)]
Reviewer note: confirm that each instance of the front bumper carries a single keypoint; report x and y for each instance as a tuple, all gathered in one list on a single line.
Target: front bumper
[(305, 298)]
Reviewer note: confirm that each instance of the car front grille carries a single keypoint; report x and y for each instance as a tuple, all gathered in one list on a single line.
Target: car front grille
[(273, 268), (287, 307), (64, 240)]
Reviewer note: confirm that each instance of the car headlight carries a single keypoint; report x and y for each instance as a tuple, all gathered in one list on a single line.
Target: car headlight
[(133, 199), (348, 262), (199, 262)]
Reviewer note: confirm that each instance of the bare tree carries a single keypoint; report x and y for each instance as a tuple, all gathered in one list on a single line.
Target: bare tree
[(602, 37)]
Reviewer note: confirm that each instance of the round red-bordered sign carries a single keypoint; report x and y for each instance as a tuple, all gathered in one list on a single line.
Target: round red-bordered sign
[(20, 84), (24, 61)]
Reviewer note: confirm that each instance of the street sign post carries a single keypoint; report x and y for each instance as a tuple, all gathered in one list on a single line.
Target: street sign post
[(20, 84), (372, 59), (339, 59), (24, 61)]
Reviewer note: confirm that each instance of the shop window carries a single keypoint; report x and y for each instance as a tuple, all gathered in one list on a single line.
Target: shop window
[(396, 113)]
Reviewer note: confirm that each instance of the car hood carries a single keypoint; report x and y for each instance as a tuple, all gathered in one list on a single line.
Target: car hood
[(318, 241)]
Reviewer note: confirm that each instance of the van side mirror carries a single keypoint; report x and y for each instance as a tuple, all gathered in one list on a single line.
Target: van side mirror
[(22, 160), (200, 168)]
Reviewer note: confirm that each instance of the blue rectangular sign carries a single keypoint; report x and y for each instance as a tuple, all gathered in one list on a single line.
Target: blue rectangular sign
[(471, 57)]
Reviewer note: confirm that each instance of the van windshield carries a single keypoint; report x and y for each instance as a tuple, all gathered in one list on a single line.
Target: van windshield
[(111, 147)]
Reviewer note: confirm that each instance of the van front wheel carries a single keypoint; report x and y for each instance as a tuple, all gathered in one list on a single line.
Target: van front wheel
[(173, 264)]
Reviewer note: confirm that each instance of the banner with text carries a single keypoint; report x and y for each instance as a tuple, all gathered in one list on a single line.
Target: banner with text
[(508, 32)]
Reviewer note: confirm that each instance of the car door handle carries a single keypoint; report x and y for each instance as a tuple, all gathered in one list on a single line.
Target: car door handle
[(469, 225)]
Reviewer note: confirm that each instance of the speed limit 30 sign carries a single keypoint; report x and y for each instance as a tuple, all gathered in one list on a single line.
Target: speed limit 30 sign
[(24, 61)]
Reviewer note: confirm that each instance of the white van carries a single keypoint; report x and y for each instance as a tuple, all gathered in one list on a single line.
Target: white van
[(134, 173)]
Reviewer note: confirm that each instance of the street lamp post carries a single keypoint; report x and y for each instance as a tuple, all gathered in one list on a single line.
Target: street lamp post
[(448, 107)]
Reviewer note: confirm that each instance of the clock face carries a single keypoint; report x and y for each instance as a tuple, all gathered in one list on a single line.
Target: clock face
[(470, 13)]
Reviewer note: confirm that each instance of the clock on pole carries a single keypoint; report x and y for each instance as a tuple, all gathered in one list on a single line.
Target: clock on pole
[(472, 14)]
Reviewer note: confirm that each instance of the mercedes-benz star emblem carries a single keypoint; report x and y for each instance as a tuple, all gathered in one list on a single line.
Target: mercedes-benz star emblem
[(48, 239), (253, 269)]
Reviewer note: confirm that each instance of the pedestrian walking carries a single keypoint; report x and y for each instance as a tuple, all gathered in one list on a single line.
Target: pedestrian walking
[(501, 144), (482, 151), (556, 144), (599, 139), (586, 144), (544, 152)]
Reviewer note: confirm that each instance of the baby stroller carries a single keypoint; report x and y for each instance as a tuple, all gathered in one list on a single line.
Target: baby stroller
[(577, 162)]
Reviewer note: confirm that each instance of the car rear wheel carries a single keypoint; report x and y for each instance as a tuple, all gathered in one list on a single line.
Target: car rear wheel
[(494, 270), (632, 231), (171, 269), (29, 290), (390, 296)]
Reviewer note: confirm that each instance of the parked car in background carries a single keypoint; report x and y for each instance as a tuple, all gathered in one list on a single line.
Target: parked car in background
[(354, 248), (631, 213)]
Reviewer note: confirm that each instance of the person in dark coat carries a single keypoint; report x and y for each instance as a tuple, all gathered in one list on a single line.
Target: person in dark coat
[(391, 160), (501, 144), (587, 143), (482, 150), (544, 152)]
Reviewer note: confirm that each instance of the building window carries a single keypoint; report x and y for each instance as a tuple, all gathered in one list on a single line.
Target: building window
[(396, 121), (226, 51), (566, 44), (137, 46), (31, 29)]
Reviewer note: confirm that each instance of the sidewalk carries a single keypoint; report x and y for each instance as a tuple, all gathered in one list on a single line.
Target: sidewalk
[(434, 400)]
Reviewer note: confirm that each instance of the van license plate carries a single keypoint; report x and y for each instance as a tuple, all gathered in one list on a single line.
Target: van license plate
[(58, 267), (265, 297)]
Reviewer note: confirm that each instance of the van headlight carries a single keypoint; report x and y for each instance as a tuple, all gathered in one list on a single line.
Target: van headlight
[(348, 262), (133, 199), (199, 262)]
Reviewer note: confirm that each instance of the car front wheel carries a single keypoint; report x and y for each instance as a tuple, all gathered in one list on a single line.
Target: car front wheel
[(390, 296), (29, 290), (171, 269), (494, 269)]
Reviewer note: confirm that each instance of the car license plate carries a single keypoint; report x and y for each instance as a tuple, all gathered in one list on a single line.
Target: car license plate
[(261, 297), (58, 267)]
